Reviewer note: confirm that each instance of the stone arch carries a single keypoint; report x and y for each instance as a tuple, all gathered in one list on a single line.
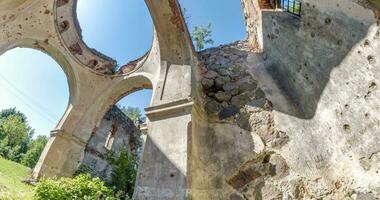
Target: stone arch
[(69, 31), (126, 86), (171, 32), (60, 60)]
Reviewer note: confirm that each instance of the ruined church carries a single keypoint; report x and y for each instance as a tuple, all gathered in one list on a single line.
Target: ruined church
[(290, 112)]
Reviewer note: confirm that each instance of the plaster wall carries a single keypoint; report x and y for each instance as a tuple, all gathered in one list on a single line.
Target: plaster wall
[(319, 137)]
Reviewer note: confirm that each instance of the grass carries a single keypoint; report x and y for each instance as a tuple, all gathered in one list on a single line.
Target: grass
[(11, 187)]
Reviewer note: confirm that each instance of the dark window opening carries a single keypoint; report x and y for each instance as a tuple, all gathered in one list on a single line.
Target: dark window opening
[(291, 6), (111, 137)]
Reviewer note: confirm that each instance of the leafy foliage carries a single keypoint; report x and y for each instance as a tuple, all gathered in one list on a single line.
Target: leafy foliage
[(124, 171), (136, 116), (11, 112), (35, 149), (16, 141), (79, 187), (15, 135), (133, 113), (201, 36)]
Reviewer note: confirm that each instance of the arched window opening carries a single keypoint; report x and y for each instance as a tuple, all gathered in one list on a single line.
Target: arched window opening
[(118, 139), (111, 137), (214, 22), (34, 95), (121, 29)]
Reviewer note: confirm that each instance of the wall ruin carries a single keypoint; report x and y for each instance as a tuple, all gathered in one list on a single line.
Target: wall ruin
[(291, 113), (116, 133), (302, 119)]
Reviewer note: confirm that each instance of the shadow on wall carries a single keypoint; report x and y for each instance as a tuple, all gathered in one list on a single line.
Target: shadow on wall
[(302, 52), (158, 176), (213, 173)]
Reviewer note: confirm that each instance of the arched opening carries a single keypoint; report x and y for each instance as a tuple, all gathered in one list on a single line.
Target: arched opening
[(118, 141), (33, 86), (120, 29), (221, 21)]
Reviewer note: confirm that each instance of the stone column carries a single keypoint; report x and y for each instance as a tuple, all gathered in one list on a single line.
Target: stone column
[(163, 172), (164, 165), (60, 156)]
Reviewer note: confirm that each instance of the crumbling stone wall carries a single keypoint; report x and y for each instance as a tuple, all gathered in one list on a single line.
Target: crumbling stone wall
[(126, 137), (251, 151), (316, 139), (239, 147)]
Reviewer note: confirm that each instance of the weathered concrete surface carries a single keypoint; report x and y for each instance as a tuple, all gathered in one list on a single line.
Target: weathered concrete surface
[(292, 113)]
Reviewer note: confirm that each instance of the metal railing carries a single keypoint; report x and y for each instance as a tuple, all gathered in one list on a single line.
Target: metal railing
[(291, 6)]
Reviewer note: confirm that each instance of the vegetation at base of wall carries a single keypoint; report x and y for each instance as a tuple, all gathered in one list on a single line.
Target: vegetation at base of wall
[(17, 144), (124, 171), (79, 187), (16, 139)]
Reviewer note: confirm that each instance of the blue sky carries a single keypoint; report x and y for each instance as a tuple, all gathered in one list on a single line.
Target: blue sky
[(226, 18), (34, 83)]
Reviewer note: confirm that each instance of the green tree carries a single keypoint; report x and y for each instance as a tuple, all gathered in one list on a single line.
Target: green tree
[(12, 111), (35, 148), (15, 135), (133, 113), (201, 36)]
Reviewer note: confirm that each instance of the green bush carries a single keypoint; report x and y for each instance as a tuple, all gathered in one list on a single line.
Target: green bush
[(80, 187), (124, 171)]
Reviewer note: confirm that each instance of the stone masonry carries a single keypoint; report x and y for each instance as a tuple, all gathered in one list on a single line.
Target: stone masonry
[(115, 134), (290, 112)]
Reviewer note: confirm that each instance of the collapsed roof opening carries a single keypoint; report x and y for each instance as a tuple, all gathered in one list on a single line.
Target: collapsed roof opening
[(120, 29)]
